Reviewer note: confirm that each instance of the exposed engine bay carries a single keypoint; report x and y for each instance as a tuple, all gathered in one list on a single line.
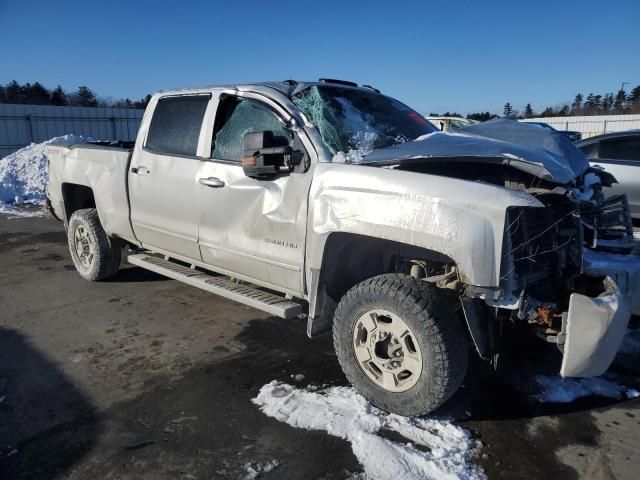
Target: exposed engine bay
[(562, 265)]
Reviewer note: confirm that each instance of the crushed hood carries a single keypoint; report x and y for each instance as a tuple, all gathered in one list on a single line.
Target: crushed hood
[(529, 148)]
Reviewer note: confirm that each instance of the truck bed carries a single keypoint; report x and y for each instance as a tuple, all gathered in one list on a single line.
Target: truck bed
[(102, 167)]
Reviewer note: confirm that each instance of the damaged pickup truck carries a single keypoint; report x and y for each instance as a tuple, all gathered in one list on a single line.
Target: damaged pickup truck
[(333, 201)]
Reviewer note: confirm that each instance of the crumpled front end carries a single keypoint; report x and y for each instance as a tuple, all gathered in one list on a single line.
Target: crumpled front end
[(568, 271)]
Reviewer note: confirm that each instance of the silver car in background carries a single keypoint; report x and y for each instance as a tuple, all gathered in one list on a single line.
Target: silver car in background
[(619, 154)]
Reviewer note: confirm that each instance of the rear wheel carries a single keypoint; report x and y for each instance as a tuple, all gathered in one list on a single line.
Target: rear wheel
[(400, 342), (94, 254)]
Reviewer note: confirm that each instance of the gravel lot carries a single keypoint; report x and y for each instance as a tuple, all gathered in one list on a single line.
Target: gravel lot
[(143, 377)]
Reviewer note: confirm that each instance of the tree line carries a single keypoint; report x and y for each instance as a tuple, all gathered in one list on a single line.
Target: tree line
[(593, 104), (83, 96)]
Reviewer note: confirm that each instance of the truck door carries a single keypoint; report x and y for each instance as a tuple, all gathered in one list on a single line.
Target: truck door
[(247, 227), (162, 177)]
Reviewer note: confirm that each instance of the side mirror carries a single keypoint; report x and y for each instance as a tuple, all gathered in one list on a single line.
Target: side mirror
[(265, 155)]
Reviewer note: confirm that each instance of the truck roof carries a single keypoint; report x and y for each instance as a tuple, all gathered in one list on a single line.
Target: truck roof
[(285, 87)]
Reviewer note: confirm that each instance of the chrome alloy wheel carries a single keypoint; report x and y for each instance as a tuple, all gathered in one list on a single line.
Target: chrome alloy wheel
[(386, 350), (85, 249)]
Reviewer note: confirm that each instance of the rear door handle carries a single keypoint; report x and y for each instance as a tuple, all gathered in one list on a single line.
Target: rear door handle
[(211, 182), (140, 170)]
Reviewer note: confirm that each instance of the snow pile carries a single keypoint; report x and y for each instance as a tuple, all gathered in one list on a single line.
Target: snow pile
[(23, 174), (565, 390), (257, 470), (434, 448)]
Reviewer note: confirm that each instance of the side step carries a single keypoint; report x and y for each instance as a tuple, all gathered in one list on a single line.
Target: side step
[(265, 301)]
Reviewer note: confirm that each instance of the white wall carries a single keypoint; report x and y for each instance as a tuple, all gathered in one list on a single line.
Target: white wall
[(593, 124), (21, 125)]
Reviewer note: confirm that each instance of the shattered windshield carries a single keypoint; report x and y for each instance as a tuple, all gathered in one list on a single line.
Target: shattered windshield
[(354, 122)]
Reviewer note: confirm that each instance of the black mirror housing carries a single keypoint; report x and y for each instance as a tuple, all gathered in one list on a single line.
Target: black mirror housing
[(264, 154)]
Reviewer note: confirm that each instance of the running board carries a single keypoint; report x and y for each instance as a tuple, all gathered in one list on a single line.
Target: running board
[(223, 286)]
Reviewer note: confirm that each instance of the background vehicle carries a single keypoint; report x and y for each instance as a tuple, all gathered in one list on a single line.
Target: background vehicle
[(619, 154), (572, 135), (409, 250), (450, 123)]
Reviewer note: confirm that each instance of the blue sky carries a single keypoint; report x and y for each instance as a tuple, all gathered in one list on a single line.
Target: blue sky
[(433, 55)]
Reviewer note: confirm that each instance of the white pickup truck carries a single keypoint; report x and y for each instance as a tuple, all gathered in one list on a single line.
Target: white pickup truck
[(333, 201)]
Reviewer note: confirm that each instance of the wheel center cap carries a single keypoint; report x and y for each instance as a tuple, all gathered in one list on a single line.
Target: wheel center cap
[(387, 350)]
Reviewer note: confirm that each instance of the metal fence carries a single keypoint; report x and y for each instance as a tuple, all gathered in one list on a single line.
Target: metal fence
[(592, 125), (21, 125)]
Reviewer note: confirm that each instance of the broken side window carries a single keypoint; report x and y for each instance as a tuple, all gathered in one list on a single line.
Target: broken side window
[(237, 117)]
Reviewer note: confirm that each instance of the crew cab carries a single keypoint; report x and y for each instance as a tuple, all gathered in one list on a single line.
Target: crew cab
[(335, 202)]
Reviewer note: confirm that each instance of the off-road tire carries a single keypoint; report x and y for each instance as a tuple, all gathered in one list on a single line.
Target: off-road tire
[(434, 317), (107, 251)]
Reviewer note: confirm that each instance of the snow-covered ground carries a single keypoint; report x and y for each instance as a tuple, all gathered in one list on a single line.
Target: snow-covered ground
[(392, 447), (23, 176), (432, 448)]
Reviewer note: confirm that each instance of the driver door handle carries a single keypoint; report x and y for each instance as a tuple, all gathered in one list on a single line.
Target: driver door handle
[(211, 182), (140, 170)]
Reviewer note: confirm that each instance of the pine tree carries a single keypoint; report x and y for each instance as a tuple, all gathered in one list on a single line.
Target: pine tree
[(35, 94), (620, 101), (588, 106), (576, 106), (607, 102), (84, 97), (13, 92), (528, 111), (143, 102), (59, 97), (597, 104), (633, 100), (508, 110), (548, 112)]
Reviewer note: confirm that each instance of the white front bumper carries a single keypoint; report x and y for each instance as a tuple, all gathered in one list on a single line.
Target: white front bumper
[(595, 327), (593, 331)]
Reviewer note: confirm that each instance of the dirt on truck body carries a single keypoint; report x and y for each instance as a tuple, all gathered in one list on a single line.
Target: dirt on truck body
[(334, 201)]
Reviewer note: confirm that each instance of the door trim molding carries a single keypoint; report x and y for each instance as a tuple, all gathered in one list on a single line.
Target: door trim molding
[(286, 266), (166, 232)]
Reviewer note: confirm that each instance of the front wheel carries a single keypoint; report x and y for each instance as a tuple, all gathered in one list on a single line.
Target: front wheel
[(400, 342), (94, 254)]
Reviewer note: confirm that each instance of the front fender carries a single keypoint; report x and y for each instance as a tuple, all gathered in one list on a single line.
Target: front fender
[(461, 219)]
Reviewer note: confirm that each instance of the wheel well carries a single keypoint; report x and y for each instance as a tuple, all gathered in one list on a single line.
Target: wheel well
[(349, 259), (76, 197)]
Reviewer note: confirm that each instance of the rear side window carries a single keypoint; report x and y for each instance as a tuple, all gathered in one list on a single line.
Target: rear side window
[(623, 149), (175, 126)]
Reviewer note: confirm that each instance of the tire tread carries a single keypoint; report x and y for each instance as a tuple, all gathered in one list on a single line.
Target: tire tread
[(435, 314)]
